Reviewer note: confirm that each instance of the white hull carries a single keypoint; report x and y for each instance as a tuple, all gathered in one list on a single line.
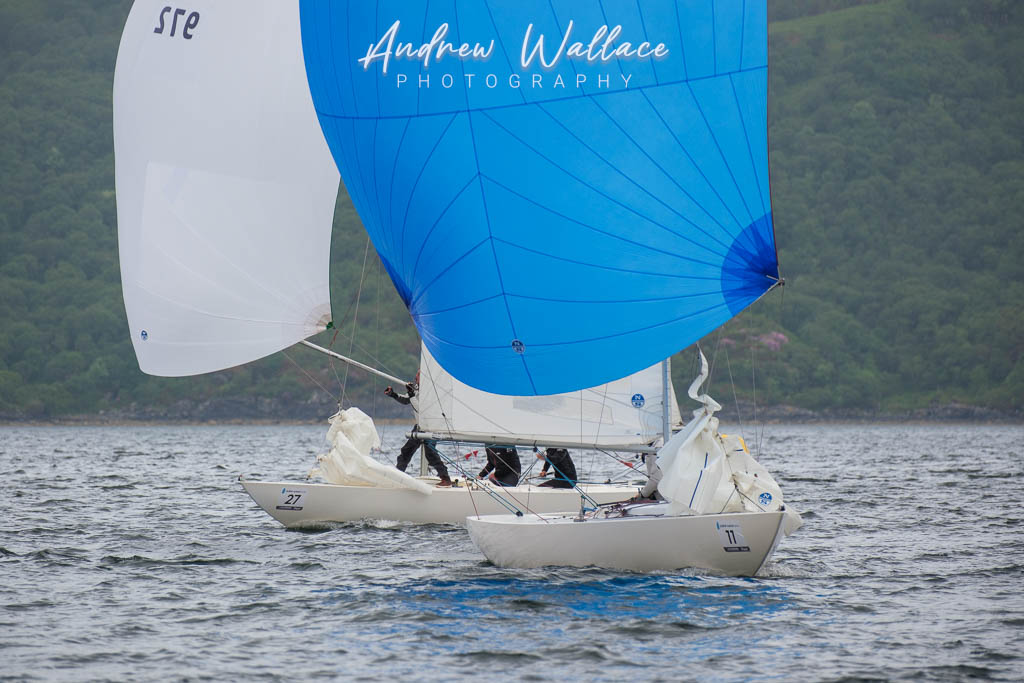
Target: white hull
[(300, 504), (736, 544)]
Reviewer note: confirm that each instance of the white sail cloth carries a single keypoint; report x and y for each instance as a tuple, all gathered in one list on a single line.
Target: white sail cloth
[(225, 185), (352, 436), (705, 472), (623, 413)]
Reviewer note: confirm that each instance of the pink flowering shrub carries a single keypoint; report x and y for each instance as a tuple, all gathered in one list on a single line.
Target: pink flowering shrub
[(773, 340)]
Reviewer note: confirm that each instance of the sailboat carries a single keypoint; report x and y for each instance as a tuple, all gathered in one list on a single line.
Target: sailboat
[(720, 510), (226, 190), (562, 193), (625, 416)]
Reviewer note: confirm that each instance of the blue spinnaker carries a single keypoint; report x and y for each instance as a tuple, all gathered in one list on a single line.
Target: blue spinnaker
[(563, 192)]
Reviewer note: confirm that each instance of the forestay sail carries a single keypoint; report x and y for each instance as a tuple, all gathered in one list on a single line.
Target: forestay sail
[(225, 185), (563, 192), (621, 414)]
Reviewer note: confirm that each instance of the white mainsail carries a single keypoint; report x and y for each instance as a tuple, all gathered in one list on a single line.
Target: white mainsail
[(225, 185), (621, 414)]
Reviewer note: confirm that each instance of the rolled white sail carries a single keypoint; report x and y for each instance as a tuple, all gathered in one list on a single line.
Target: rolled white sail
[(620, 414), (351, 437), (705, 472), (225, 185)]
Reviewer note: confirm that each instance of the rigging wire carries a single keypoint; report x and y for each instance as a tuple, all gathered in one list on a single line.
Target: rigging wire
[(494, 493), (311, 377), (457, 465), (332, 363), (739, 417), (355, 315), (628, 467), (369, 354), (508, 430), (753, 389), (714, 362), (782, 301), (376, 352), (337, 330)]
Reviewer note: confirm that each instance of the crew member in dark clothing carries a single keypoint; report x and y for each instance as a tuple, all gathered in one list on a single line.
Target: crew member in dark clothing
[(559, 461), (410, 447), (503, 465)]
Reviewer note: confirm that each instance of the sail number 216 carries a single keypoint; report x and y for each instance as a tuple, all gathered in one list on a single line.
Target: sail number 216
[(190, 22)]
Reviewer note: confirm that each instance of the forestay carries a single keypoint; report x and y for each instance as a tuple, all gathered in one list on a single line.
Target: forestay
[(563, 192), (225, 185), (621, 414)]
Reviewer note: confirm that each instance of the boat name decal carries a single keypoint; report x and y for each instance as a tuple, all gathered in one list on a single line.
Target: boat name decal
[(290, 499), (731, 535), (186, 30)]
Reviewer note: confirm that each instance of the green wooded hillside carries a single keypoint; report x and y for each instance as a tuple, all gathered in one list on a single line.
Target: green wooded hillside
[(896, 129)]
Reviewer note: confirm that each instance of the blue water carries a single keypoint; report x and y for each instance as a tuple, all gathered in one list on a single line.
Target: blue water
[(131, 553)]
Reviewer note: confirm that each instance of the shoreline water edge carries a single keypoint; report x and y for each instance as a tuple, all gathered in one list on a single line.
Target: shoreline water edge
[(951, 413)]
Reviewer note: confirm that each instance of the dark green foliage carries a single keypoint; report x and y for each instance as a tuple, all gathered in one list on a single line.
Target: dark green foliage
[(781, 10), (898, 184)]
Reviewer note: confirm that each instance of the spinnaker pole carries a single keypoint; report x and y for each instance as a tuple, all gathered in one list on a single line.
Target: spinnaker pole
[(356, 363)]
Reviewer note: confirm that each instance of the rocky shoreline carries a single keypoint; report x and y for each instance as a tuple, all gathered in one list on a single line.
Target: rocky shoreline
[(950, 412), (257, 410)]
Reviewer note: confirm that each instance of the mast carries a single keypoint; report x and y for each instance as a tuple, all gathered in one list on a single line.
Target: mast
[(666, 406), (666, 410)]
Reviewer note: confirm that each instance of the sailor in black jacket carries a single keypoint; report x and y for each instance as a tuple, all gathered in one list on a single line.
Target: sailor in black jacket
[(413, 444), (559, 460), (502, 465)]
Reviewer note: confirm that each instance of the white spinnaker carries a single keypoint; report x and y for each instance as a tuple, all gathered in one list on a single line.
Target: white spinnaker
[(225, 185), (623, 413)]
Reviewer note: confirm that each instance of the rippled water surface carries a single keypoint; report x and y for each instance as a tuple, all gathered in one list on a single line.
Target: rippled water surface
[(132, 553)]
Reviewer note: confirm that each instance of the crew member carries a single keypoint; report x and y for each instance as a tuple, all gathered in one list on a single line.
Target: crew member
[(503, 467), (559, 460), (410, 447)]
